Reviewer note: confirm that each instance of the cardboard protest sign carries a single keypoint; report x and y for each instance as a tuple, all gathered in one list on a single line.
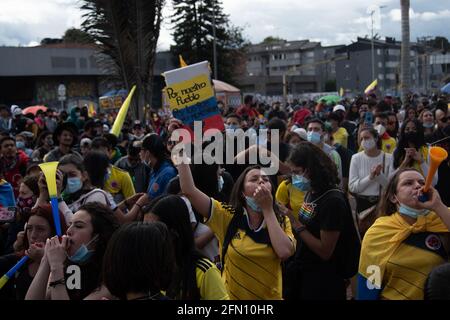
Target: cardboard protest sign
[(191, 96)]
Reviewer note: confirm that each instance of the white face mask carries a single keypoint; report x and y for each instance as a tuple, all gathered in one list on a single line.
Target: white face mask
[(380, 129), (368, 144)]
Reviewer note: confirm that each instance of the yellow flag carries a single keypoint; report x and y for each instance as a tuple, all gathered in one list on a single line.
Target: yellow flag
[(182, 63), (341, 92), (91, 110), (118, 123), (371, 87)]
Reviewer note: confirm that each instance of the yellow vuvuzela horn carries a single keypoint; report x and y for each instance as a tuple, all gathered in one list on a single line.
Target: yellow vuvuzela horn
[(49, 170), (118, 123)]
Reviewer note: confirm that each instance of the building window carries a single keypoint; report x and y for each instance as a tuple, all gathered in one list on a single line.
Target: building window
[(83, 63), (393, 52), (93, 62), (381, 76), (379, 52), (390, 76), (380, 64), (63, 62), (392, 64)]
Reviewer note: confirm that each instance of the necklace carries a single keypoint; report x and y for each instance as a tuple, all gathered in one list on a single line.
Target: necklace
[(307, 210)]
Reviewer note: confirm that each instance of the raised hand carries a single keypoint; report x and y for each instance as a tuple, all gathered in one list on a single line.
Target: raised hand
[(263, 198)]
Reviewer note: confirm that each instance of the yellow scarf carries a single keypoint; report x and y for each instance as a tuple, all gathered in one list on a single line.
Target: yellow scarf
[(387, 234)]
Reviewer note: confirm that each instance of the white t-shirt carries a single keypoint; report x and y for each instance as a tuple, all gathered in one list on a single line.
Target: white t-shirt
[(359, 176), (96, 195)]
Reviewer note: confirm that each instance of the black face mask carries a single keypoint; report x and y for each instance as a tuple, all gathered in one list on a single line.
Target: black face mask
[(412, 137)]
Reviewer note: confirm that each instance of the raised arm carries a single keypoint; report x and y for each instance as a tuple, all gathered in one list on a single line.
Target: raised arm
[(199, 200), (38, 287)]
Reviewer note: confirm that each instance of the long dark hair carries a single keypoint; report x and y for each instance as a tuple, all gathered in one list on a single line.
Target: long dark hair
[(155, 144), (41, 138), (403, 142), (96, 164), (104, 224), (173, 212), (139, 258), (322, 171)]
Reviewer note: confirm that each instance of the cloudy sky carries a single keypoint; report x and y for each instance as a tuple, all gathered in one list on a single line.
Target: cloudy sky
[(26, 22)]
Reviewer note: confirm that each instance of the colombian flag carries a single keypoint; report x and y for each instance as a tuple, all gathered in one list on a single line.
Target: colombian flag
[(372, 87)]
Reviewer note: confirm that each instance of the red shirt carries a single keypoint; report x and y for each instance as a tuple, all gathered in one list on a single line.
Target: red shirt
[(14, 172), (301, 115), (245, 110)]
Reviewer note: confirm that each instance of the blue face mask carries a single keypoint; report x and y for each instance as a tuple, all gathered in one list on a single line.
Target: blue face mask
[(252, 204), (428, 125), (83, 254), (220, 183), (262, 126), (313, 137), (231, 127), (73, 185), (301, 183), (411, 212), (20, 145), (107, 175)]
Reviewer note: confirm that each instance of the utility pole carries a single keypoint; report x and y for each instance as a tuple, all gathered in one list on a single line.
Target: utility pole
[(214, 40), (374, 10), (373, 47)]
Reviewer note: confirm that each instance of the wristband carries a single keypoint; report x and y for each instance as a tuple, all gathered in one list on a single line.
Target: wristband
[(53, 284), (300, 229)]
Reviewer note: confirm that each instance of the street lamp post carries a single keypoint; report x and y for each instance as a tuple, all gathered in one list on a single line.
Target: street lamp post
[(373, 47), (374, 10), (214, 40)]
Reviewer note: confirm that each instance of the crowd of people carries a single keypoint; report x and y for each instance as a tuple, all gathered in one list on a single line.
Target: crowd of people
[(341, 219)]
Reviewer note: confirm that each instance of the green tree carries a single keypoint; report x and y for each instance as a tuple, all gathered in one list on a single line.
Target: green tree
[(271, 39), (127, 33), (74, 35), (193, 35), (439, 43)]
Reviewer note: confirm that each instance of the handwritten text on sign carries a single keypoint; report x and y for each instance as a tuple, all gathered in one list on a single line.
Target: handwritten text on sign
[(190, 92)]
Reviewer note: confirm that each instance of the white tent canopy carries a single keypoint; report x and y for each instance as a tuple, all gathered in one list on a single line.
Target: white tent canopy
[(221, 86)]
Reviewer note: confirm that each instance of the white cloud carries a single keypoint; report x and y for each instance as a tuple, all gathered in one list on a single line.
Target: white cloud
[(396, 15), (330, 21)]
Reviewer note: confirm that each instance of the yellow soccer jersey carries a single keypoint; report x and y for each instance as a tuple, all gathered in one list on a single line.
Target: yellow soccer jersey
[(209, 281), (119, 181), (408, 268), (388, 145), (290, 197), (252, 269), (341, 137)]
